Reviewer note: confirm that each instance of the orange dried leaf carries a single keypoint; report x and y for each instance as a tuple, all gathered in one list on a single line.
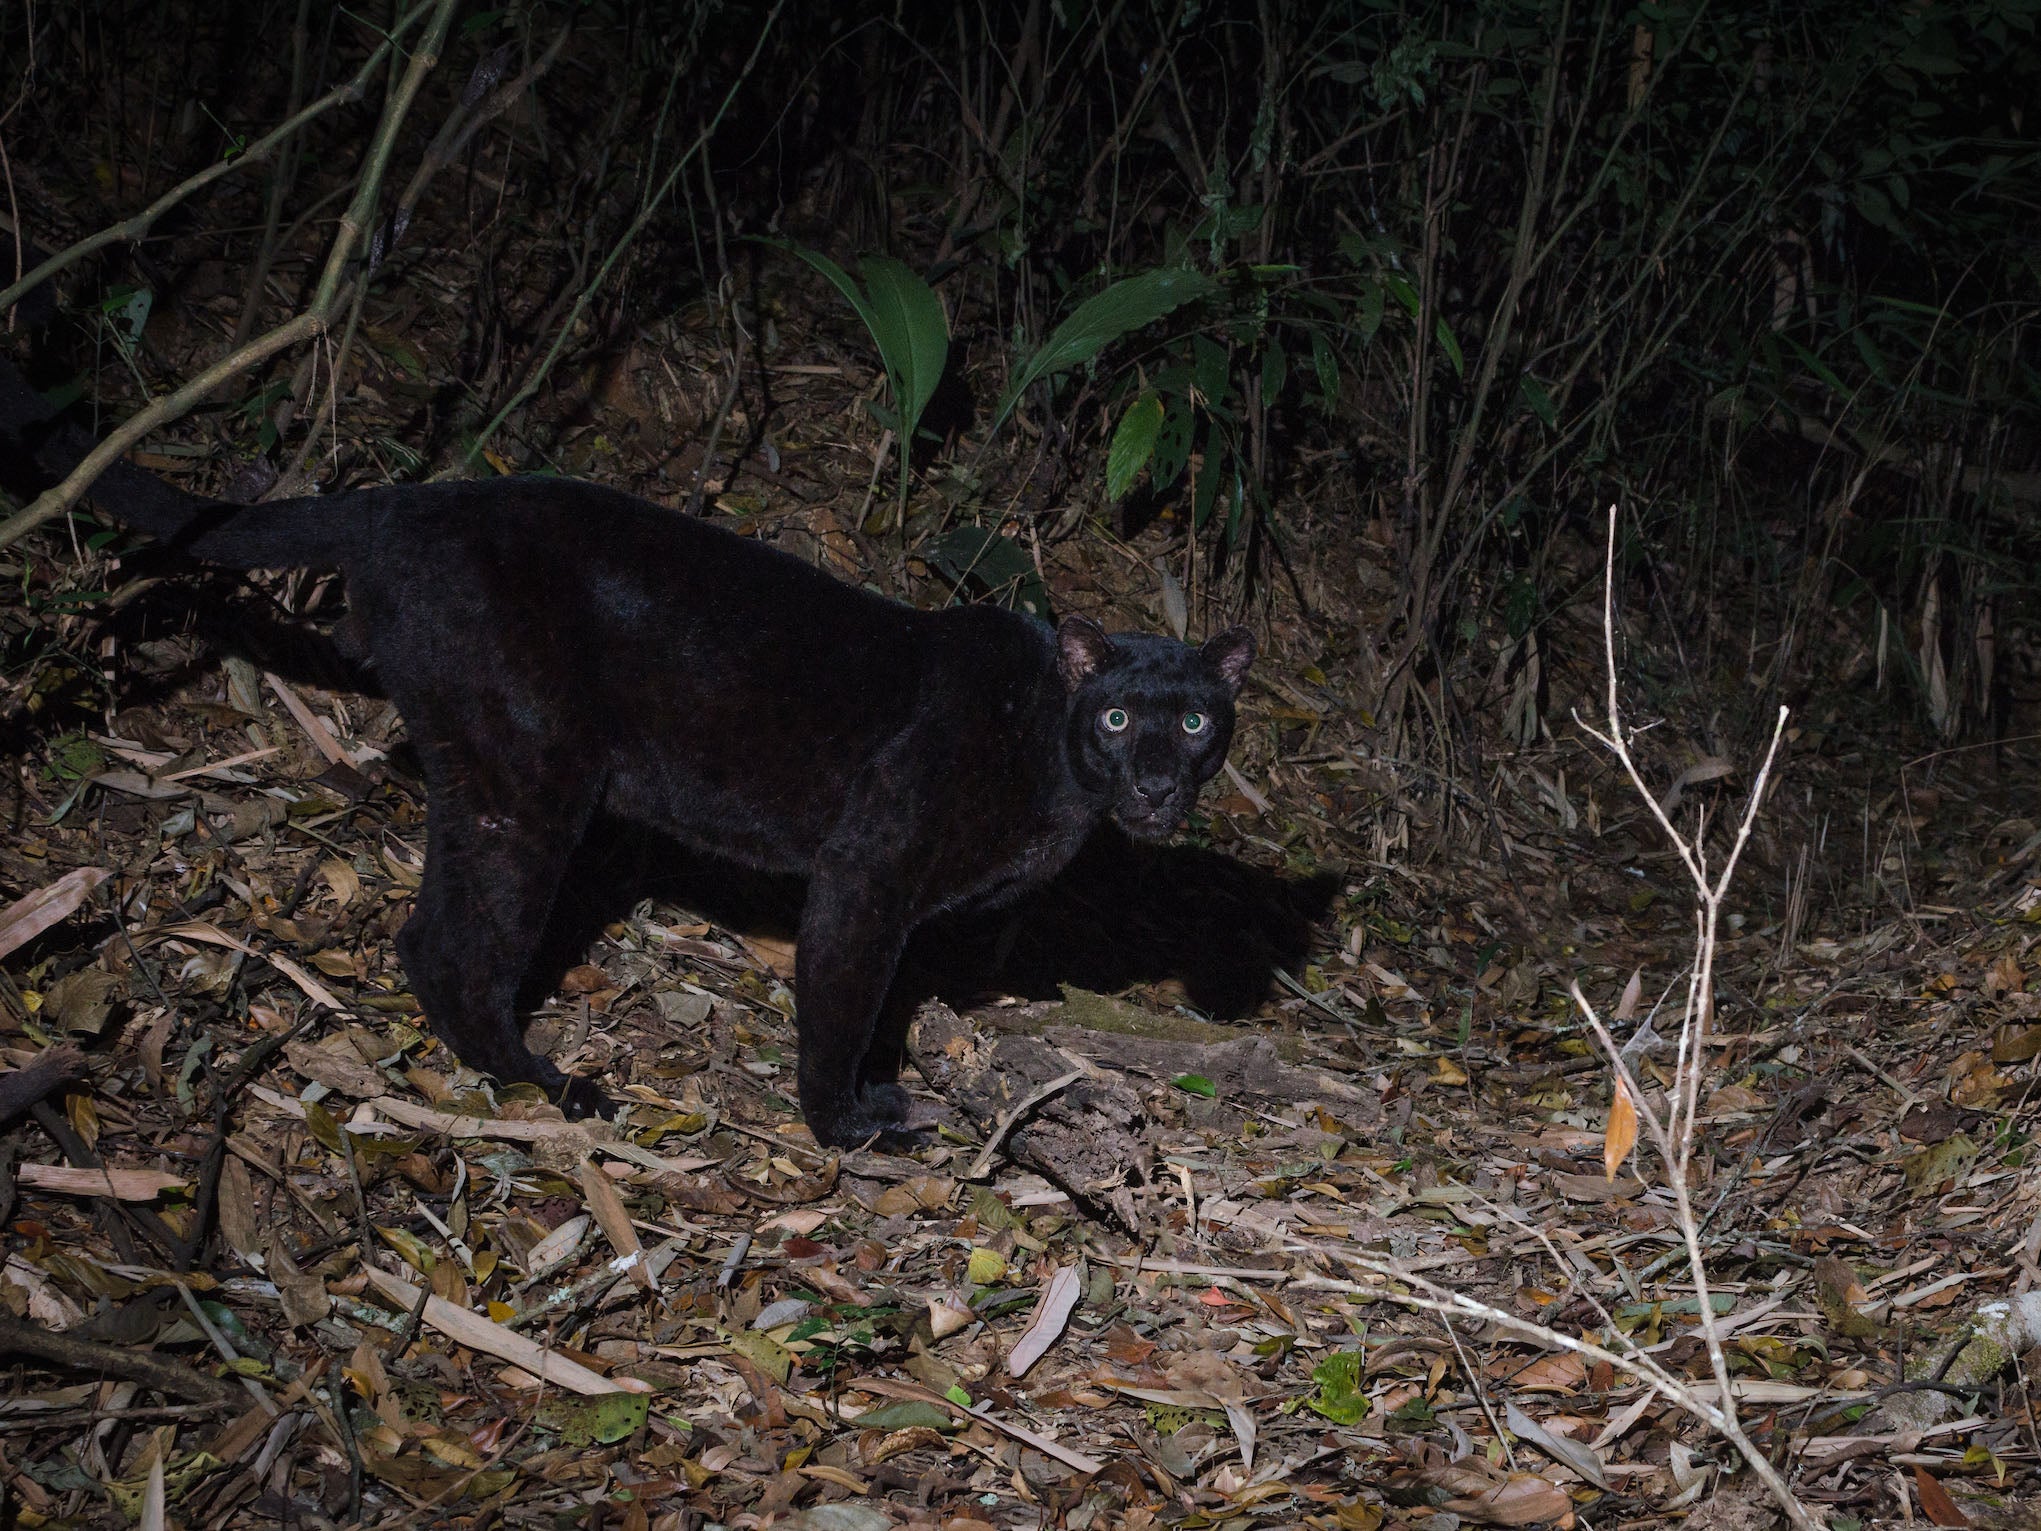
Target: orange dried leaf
[(1936, 1504), (1621, 1135)]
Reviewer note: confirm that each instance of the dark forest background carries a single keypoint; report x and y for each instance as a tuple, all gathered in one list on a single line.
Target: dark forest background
[(1397, 299)]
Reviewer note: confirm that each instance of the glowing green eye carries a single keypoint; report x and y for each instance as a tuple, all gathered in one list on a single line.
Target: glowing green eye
[(1194, 722), (1114, 720)]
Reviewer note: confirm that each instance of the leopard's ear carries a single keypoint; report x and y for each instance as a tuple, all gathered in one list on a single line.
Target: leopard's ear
[(1082, 650), (1230, 653)]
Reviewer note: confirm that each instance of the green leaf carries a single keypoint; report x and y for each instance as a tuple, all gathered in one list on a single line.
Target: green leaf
[(413, 1250), (1133, 445), (763, 1352), (998, 565), (1339, 1397), (319, 1122), (1196, 1084), (603, 1419), (1172, 445), (1209, 472), (1819, 368), (1275, 370), (1870, 355), (906, 1415), (1876, 208), (1371, 310), (1539, 400), (912, 331), (1326, 365), (906, 322), (1213, 368), (1451, 346), (1122, 308)]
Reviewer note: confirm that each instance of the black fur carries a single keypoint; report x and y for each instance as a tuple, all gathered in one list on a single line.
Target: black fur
[(557, 648)]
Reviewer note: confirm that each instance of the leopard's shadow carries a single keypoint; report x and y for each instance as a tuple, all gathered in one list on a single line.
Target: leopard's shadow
[(1120, 914)]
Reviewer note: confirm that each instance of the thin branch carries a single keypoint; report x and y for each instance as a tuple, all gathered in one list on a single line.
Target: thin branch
[(134, 227), (54, 502), (650, 205)]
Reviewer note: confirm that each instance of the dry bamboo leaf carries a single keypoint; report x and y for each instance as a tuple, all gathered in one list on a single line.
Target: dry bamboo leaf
[(478, 1333), (610, 1215), (1524, 1499), (1633, 991), (887, 1387), (1559, 1372), (1712, 768), (314, 726), (410, 1113), (121, 1185), (336, 1065), (236, 1202), (28, 917), (1582, 1458), (557, 1247), (154, 1516), (1622, 1422), (1052, 1313), (302, 1294)]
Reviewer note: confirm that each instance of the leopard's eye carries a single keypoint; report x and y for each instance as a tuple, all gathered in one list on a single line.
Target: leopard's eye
[(1114, 720), (1194, 722)]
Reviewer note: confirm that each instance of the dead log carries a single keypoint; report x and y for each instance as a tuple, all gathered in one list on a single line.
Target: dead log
[(1090, 1138)]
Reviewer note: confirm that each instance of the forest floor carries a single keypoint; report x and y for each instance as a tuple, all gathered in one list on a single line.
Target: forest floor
[(1327, 1062)]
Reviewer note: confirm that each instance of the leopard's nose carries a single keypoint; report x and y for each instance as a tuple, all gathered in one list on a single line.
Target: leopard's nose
[(1155, 792)]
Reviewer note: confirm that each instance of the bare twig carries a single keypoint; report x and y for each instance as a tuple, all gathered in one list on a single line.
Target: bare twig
[(1673, 1134)]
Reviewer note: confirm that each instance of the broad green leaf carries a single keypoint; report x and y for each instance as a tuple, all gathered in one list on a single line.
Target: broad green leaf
[(1877, 208), (843, 282), (985, 1266), (319, 1122), (1539, 400), (1371, 310), (1122, 308), (764, 1352), (1339, 1397), (1196, 1084), (1133, 444), (999, 565), (907, 1415), (912, 331), (906, 322), (603, 1419), (1213, 368), (414, 1251)]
